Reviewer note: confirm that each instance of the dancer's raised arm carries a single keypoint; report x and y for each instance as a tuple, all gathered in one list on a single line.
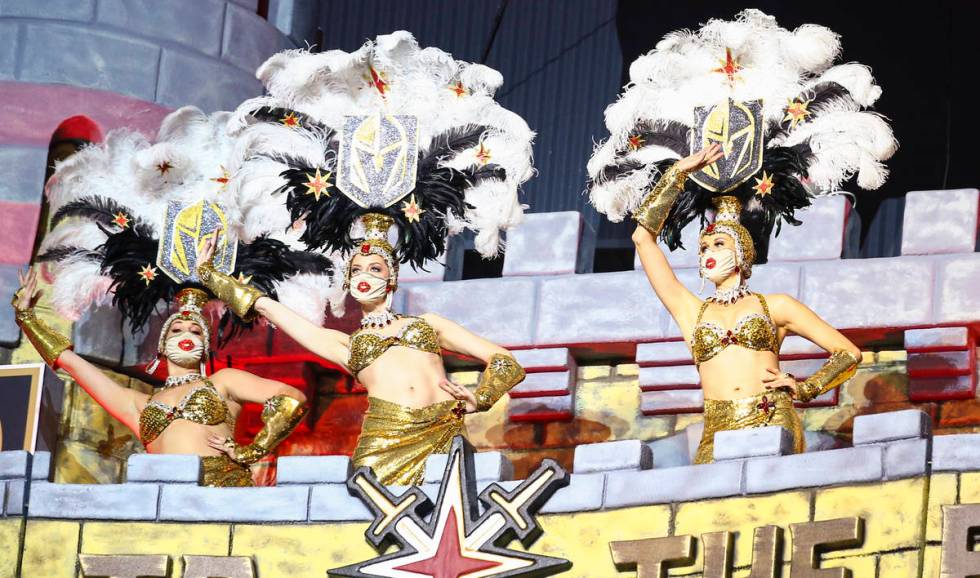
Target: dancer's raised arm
[(650, 218), (124, 404), (248, 303)]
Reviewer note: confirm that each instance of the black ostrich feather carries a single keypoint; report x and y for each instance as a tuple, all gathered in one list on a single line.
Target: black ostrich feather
[(760, 215), (125, 254), (101, 210), (615, 171), (669, 134), (63, 252), (450, 143), (818, 98), (439, 192), (276, 114)]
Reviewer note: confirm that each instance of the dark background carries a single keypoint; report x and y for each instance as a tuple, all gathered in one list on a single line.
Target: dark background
[(564, 61)]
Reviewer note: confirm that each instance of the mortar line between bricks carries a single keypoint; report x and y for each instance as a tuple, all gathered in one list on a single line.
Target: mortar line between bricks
[(231, 538), (309, 502), (535, 317), (224, 30), (78, 554), (159, 501)]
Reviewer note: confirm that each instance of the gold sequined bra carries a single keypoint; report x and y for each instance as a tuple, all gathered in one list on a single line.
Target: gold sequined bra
[(754, 331), (203, 405), (366, 346)]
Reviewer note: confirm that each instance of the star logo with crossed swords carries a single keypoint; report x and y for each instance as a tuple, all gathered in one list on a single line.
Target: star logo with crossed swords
[(462, 535)]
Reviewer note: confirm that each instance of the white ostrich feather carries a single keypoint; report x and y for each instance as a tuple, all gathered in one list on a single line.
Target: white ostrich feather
[(419, 81), (776, 65)]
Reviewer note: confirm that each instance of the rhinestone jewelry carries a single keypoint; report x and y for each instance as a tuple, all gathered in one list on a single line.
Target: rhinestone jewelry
[(378, 319), (174, 381)]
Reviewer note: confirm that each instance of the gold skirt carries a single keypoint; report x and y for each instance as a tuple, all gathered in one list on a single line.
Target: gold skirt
[(396, 440), (760, 410), (223, 472)]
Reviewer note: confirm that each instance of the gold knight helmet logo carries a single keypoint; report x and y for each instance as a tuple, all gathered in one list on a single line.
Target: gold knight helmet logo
[(737, 126), (187, 227), (378, 158)]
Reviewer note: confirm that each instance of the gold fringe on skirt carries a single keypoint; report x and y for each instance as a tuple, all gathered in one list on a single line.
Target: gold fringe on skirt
[(395, 440), (223, 472), (760, 410)]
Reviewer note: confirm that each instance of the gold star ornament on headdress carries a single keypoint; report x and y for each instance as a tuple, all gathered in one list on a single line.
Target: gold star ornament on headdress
[(796, 112), (413, 212), (148, 273), (316, 184), (763, 186)]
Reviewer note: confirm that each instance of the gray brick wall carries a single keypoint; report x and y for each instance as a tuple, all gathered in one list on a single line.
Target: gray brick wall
[(608, 476), (173, 52)]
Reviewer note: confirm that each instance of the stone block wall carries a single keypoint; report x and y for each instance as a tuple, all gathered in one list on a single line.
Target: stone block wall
[(897, 479)]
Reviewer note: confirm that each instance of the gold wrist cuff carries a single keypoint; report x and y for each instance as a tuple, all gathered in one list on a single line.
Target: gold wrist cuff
[(838, 369), (281, 416), (652, 212), (238, 296), (502, 373), (48, 342)]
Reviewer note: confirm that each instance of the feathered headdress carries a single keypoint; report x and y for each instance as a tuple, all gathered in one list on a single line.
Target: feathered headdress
[(129, 216), (793, 125), (390, 129)]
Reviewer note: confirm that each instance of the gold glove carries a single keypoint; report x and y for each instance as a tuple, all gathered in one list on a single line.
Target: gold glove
[(502, 373), (48, 342), (239, 296), (652, 212), (281, 416), (838, 369)]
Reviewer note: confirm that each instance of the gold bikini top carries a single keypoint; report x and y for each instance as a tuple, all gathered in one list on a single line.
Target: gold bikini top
[(367, 346), (754, 331), (203, 405)]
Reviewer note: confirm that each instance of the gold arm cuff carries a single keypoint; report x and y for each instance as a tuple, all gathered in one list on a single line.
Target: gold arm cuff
[(281, 416), (48, 342), (502, 373), (238, 296), (652, 212), (838, 369)]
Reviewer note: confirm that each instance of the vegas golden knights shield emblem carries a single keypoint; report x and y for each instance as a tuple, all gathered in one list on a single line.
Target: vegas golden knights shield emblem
[(378, 158), (737, 126), (187, 227)]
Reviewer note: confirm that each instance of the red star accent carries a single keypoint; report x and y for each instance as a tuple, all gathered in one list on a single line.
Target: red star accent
[(317, 185), (458, 89), (635, 142), (449, 561), (379, 83), (164, 167), (290, 120), (483, 155), (223, 179), (729, 67), (796, 112), (121, 219), (365, 248), (764, 185), (709, 228), (148, 273)]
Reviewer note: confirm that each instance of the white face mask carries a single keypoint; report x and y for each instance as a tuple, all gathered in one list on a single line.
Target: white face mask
[(185, 349), (367, 288), (717, 265)]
